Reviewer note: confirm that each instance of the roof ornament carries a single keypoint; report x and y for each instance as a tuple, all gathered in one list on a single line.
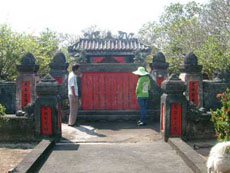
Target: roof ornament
[(124, 35), (139, 57), (93, 35), (109, 35), (82, 58)]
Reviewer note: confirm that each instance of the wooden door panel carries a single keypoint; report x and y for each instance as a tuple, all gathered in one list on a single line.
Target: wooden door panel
[(109, 91)]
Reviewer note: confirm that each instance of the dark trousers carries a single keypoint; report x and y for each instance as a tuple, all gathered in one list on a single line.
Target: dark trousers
[(142, 101)]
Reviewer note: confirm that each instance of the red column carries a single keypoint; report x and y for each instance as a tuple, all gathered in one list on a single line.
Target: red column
[(162, 116), (160, 80), (58, 79)]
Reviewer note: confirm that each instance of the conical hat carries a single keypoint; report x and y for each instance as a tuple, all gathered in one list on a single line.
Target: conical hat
[(140, 71)]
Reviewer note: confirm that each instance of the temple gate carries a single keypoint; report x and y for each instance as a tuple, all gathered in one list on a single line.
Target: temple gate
[(107, 82)]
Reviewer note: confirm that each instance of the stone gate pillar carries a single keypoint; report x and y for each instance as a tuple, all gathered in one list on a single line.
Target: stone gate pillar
[(26, 81), (58, 70), (47, 108), (173, 108), (159, 68), (191, 75)]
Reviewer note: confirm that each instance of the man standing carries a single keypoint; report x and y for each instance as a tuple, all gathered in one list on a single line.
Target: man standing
[(73, 94)]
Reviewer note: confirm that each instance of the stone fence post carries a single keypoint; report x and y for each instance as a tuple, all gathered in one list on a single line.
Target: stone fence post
[(26, 81), (58, 70), (191, 75), (159, 68), (173, 108), (47, 108)]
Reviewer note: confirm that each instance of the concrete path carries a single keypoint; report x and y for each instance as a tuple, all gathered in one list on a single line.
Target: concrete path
[(119, 147), (112, 132), (114, 158)]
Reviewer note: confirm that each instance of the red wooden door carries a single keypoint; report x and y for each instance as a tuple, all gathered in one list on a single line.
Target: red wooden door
[(109, 91)]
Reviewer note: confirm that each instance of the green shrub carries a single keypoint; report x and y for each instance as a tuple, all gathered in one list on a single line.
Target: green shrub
[(2, 110), (221, 117)]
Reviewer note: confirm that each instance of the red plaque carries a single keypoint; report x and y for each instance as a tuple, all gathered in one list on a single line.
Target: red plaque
[(58, 79), (175, 120), (119, 59), (162, 116), (59, 117), (160, 80), (193, 92), (46, 120), (25, 94), (97, 59)]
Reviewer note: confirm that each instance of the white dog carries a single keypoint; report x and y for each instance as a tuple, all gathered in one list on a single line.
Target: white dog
[(219, 158)]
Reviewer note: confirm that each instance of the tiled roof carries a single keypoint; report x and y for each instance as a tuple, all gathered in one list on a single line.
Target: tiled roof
[(108, 45)]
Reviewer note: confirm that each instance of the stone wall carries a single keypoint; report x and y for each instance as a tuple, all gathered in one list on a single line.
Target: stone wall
[(8, 96), (17, 129), (211, 89)]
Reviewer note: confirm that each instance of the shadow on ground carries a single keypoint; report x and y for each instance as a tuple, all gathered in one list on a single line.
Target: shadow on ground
[(119, 131)]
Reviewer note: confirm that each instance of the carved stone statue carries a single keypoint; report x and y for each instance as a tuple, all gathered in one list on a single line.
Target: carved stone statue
[(82, 58), (124, 35), (93, 35)]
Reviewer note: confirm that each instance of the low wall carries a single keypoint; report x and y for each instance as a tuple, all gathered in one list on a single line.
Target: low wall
[(200, 127), (8, 96), (211, 89), (16, 129)]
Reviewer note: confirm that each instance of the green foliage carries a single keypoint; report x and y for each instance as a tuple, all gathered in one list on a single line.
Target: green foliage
[(221, 117), (2, 110), (13, 45), (186, 27)]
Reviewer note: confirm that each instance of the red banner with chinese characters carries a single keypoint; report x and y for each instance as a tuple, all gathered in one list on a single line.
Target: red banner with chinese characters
[(59, 117), (58, 79), (46, 120), (175, 120), (160, 80), (162, 116), (193, 92), (25, 94)]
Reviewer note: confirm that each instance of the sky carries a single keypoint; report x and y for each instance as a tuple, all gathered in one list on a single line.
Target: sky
[(72, 16)]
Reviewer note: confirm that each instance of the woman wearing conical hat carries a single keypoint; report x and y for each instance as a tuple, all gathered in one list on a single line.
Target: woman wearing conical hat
[(142, 92)]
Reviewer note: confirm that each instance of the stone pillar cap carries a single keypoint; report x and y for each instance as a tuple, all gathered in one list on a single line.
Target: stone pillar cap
[(173, 85), (59, 62), (47, 86), (191, 64), (28, 64), (159, 61)]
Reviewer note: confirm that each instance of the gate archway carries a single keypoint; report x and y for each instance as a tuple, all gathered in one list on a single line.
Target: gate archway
[(107, 82)]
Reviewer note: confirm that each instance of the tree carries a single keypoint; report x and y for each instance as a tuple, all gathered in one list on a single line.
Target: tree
[(13, 45), (191, 27)]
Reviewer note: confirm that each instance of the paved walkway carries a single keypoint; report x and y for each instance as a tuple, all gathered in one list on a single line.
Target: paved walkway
[(113, 147)]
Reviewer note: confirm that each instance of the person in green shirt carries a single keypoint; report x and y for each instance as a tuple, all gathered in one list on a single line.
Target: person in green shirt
[(142, 92)]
